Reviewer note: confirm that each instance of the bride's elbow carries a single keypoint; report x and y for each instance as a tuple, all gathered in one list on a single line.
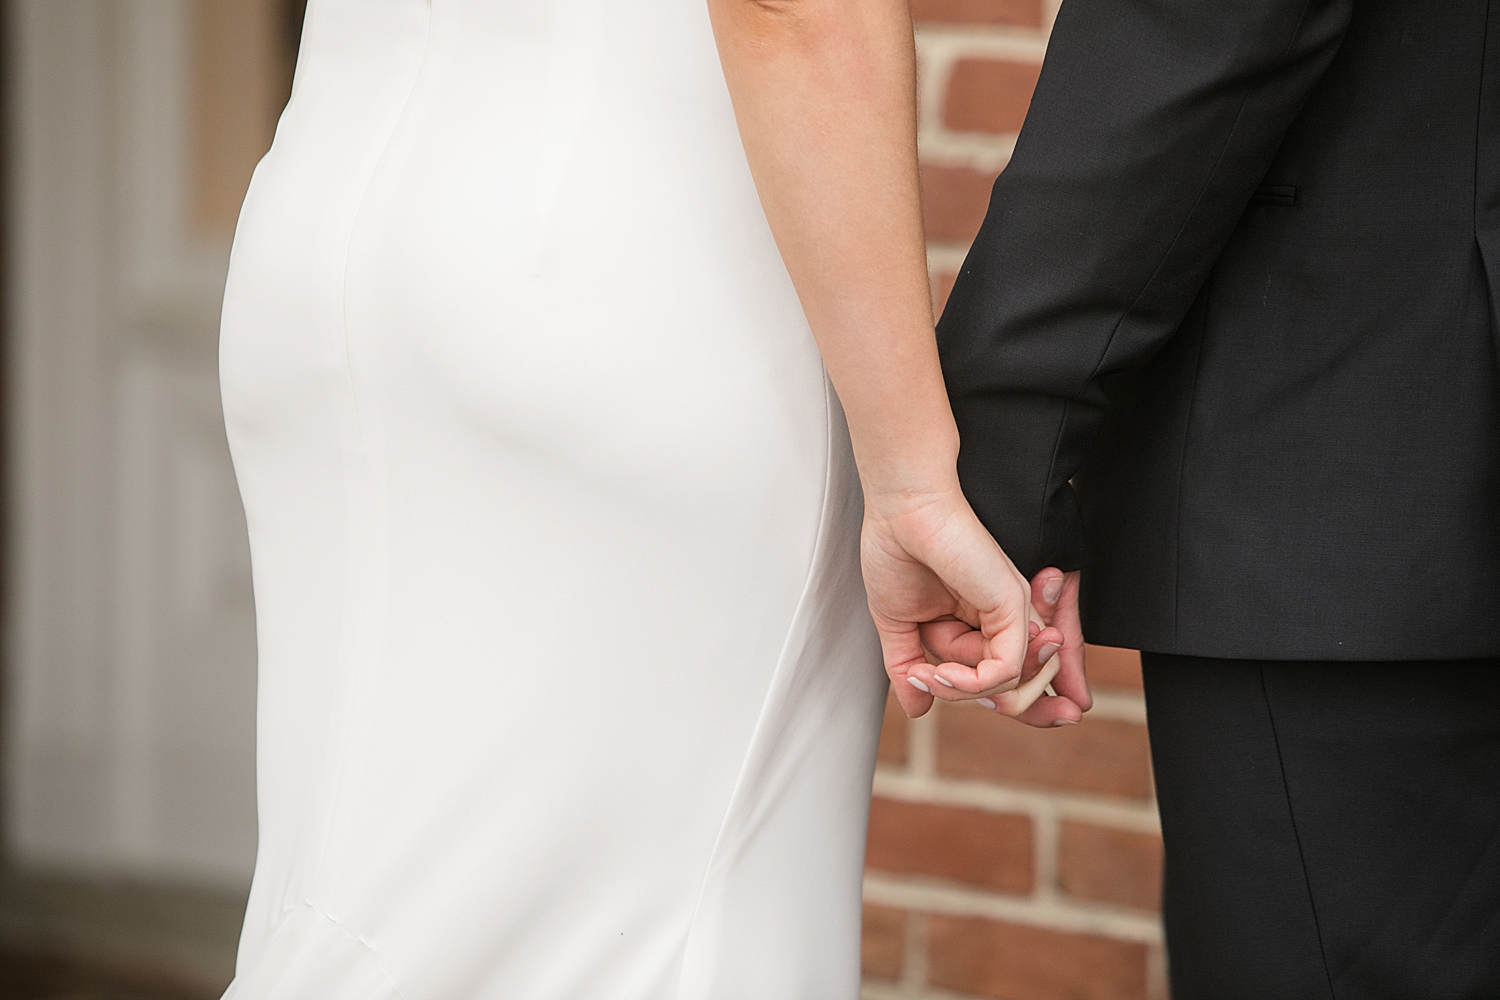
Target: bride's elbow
[(775, 8), (782, 11), (802, 25)]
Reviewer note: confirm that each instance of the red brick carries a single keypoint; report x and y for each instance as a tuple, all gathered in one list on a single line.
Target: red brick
[(1024, 13), (987, 849), (1113, 668), (942, 287), (1108, 865), (989, 95), (1097, 755), (882, 942), (892, 733), (954, 200), (987, 958)]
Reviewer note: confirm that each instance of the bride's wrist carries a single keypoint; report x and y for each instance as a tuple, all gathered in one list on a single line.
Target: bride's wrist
[(897, 486), (906, 459)]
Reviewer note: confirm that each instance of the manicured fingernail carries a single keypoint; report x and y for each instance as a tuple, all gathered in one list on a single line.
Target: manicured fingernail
[(1052, 591), (985, 703), (1046, 653), (919, 685), (1064, 722), (942, 680)]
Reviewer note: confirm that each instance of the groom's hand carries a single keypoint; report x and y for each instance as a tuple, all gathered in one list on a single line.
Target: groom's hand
[(1054, 596)]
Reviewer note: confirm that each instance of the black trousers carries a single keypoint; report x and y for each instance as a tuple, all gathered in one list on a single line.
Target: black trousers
[(1332, 830)]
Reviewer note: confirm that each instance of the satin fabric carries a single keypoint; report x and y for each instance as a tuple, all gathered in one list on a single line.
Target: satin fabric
[(567, 684)]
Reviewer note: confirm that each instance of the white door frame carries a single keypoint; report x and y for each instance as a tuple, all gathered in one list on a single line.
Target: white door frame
[(129, 645)]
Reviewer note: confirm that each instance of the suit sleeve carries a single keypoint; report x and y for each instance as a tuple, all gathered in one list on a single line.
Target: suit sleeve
[(1151, 126)]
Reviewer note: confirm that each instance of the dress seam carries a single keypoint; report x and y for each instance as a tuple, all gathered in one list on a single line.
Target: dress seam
[(359, 206), (819, 540), (360, 940), (282, 925)]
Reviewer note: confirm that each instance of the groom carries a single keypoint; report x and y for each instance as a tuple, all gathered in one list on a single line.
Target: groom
[(1227, 342)]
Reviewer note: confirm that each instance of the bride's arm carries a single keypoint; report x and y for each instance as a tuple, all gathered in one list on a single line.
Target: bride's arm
[(825, 95)]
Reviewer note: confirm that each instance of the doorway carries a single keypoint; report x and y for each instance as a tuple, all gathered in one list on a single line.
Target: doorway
[(129, 654)]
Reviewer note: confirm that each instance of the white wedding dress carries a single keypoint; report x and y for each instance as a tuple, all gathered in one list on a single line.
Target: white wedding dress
[(568, 690)]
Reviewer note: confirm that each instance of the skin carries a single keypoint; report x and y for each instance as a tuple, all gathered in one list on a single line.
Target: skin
[(1054, 595), (824, 93)]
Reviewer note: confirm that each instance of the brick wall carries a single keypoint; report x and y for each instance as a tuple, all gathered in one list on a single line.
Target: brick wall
[(1006, 862), (1016, 863), (978, 64)]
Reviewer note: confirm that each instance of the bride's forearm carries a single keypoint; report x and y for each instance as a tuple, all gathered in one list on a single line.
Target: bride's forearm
[(825, 95)]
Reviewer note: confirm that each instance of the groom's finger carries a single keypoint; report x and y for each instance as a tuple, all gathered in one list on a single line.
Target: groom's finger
[(1072, 680), (1015, 703), (1046, 591), (1051, 710)]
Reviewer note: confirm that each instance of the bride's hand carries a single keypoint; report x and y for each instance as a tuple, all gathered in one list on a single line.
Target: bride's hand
[(927, 557), (1054, 596)]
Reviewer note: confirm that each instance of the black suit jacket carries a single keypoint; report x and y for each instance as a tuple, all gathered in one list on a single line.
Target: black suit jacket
[(1238, 285)]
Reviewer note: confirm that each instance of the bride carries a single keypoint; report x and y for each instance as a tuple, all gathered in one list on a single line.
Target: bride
[(568, 685)]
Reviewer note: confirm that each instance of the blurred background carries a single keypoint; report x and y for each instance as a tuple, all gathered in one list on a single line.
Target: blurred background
[(128, 794), (127, 668)]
